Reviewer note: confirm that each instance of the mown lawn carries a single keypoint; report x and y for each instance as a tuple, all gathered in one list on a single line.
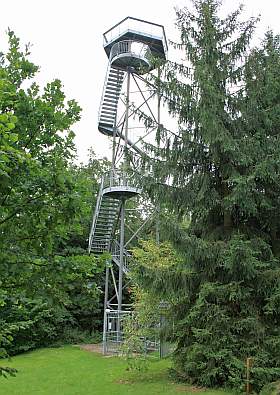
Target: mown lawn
[(69, 370)]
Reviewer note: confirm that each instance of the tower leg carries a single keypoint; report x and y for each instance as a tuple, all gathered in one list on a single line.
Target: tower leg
[(122, 217), (105, 309), (158, 121)]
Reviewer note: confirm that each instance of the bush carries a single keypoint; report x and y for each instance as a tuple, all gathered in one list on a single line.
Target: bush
[(271, 389)]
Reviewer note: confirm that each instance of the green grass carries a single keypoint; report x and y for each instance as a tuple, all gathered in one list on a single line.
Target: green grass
[(71, 371)]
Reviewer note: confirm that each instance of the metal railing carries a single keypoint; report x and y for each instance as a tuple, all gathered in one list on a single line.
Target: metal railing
[(96, 212), (115, 251), (115, 339), (104, 91), (118, 178), (134, 48)]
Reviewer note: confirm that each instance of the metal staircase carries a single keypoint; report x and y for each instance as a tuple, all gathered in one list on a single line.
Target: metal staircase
[(102, 233), (109, 105), (114, 185), (109, 102), (104, 221), (129, 46)]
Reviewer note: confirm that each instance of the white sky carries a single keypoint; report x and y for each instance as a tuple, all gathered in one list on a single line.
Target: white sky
[(67, 38)]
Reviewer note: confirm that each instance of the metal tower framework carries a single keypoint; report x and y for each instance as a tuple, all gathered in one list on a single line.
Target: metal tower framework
[(130, 46)]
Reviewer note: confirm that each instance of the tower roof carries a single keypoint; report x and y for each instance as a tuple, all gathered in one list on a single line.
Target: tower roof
[(136, 29)]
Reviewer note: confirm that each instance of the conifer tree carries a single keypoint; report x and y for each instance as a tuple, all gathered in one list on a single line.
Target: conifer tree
[(221, 168)]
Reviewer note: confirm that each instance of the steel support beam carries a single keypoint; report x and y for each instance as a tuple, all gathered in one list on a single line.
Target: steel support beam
[(105, 307), (122, 229)]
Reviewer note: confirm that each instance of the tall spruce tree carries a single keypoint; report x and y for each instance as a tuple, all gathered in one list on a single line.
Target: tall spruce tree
[(222, 169)]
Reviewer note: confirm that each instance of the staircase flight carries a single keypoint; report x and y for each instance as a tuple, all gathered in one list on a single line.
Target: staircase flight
[(114, 185), (109, 102)]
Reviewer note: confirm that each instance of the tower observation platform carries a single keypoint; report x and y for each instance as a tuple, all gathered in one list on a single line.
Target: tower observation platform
[(142, 35), (130, 45)]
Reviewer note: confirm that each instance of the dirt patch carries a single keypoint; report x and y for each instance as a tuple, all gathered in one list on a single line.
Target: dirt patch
[(91, 347), (97, 348), (121, 381), (187, 388)]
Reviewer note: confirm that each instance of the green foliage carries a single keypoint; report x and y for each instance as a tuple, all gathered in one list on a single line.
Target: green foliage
[(221, 171), (49, 285), (5, 339), (48, 312), (271, 389), (133, 346), (145, 325)]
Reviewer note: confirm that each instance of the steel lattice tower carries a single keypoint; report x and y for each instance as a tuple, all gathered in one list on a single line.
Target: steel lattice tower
[(130, 46)]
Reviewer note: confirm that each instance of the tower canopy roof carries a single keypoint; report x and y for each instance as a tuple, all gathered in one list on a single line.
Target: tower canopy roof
[(139, 30)]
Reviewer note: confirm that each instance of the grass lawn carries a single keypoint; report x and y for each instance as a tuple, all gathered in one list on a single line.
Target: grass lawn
[(71, 371)]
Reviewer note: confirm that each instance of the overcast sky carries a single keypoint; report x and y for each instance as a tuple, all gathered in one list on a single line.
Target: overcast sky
[(67, 43)]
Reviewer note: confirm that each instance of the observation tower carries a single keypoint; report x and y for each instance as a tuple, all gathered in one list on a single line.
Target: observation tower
[(131, 46)]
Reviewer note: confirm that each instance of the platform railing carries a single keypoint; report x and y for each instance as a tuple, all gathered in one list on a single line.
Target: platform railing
[(118, 178), (134, 48)]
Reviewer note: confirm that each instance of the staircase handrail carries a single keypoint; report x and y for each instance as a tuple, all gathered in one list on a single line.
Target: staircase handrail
[(103, 92), (97, 208)]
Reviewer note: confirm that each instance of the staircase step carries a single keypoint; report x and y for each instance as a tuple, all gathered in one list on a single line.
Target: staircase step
[(109, 218), (107, 115), (110, 203), (113, 89), (114, 78), (110, 121), (103, 225), (101, 240), (103, 228), (111, 112), (110, 102), (118, 76), (107, 221), (117, 71), (113, 85), (109, 210), (109, 106), (106, 123), (111, 96)]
